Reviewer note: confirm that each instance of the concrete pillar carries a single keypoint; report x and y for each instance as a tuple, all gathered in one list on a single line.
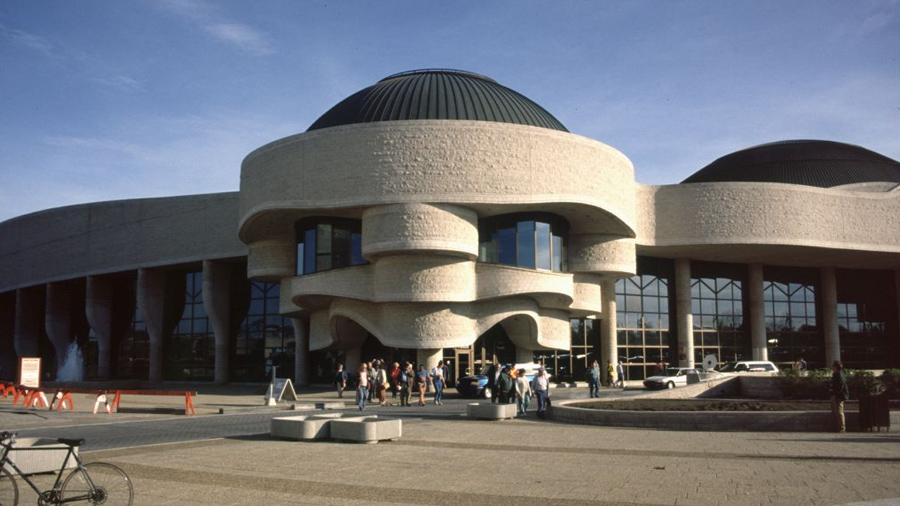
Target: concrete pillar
[(897, 300), (683, 310), (608, 348), (430, 357), (301, 352), (29, 324), (58, 320), (754, 291), (830, 330), (352, 359), (151, 295), (217, 302), (524, 355), (8, 360), (98, 309)]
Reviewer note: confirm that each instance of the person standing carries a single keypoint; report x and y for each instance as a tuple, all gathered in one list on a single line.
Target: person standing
[(610, 374), (437, 379), (446, 367), (620, 375), (362, 386), (523, 392), (371, 367), (594, 379), (840, 392), (381, 383), (340, 380), (493, 382), (505, 385), (422, 383), (405, 381), (541, 388)]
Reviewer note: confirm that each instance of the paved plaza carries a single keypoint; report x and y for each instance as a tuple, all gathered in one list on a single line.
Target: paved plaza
[(445, 459)]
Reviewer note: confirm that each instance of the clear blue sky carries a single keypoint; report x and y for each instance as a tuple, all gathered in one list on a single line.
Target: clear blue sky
[(106, 99)]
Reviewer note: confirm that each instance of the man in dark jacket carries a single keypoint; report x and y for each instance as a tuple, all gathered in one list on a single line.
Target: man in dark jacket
[(505, 385), (840, 392)]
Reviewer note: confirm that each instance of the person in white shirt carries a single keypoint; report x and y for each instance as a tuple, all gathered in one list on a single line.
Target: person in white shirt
[(523, 392), (541, 388), (362, 386), (437, 379)]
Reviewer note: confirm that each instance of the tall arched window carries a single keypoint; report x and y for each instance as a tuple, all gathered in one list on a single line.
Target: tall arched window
[(328, 243), (533, 240)]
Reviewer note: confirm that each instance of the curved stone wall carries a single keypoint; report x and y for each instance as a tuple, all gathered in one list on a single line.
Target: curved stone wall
[(396, 228), (105, 237), (469, 163), (769, 214)]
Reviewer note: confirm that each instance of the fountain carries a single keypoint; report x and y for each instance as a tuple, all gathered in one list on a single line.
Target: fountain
[(72, 367)]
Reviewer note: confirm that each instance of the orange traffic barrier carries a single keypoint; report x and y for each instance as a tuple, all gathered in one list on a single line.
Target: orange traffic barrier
[(117, 399), (63, 400)]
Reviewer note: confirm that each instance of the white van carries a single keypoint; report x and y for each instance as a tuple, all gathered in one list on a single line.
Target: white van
[(749, 366)]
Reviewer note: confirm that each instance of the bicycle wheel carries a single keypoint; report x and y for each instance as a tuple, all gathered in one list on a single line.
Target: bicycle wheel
[(111, 485), (9, 490)]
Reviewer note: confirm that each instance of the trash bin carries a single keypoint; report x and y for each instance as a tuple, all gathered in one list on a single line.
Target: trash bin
[(693, 377), (874, 412)]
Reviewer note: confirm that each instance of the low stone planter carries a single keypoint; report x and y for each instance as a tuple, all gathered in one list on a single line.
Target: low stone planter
[(367, 429), (303, 428), (39, 461), (491, 411)]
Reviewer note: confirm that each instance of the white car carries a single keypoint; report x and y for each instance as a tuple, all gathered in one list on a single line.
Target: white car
[(749, 366), (670, 378)]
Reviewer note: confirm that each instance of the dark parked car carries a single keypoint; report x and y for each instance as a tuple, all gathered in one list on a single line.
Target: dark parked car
[(476, 386)]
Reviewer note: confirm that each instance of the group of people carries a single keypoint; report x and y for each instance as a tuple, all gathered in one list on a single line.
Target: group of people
[(508, 385), (615, 377), (373, 380)]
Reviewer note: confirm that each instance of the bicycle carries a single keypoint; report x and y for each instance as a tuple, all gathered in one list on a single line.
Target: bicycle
[(94, 483)]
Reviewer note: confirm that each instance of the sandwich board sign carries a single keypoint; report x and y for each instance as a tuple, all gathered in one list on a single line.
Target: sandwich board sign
[(284, 389), (30, 372)]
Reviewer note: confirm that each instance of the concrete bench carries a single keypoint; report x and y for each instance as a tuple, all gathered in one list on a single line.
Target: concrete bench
[(39, 461), (491, 411), (303, 428), (368, 429)]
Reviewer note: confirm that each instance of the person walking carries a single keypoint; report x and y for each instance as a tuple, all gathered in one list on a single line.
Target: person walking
[(840, 392), (405, 381), (610, 374), (437, 379), (541, 388), (620, 375), (340, 380), (371, 367), (593, 377), (362, 386), (422, 383), (523, 392)]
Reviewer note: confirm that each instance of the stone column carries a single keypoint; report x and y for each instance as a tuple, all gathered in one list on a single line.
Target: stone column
[(99, 309), (58, 320), (8, 361), (830, 330), (754, 291), (217, 302), (683, 310), (524, 355), (28, 326), (608, 330), (301, 352), (431, 358), (352, 359), (151, 295)]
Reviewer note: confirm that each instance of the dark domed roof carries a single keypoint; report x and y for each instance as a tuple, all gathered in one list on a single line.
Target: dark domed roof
[(437, 94), (812, 163)]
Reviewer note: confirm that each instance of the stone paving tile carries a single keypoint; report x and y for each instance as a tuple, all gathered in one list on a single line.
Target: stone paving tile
[(526, 463)]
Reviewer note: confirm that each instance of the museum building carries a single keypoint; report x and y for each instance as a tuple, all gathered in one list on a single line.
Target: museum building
[(440, 215)]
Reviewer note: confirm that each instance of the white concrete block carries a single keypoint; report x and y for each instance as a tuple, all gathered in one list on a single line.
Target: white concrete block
[(491, 411), (39, 461), (366, 429)]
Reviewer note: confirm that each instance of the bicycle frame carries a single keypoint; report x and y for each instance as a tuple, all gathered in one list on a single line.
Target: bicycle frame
[(5, 461)]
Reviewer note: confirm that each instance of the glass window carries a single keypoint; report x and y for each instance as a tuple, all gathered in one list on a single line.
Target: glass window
[(507, 245), (525, 238), (542, 248), (328, 243)]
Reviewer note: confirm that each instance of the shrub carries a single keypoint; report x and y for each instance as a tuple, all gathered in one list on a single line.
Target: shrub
[(815, 384), (890, 382)]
